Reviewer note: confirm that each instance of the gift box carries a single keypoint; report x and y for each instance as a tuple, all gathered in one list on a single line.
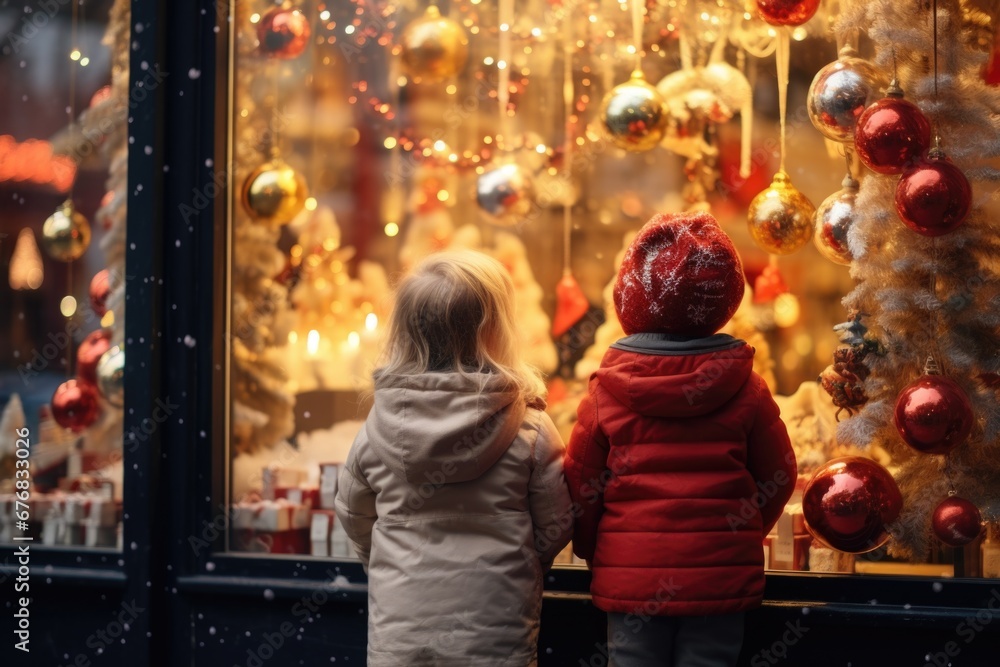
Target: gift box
[(792, 521), (280, 477), (320, 531), (787, 554), (825, 559), (271, 526), (328, 473), (299, 495), (100, 535), (340, 544), (294, 541)]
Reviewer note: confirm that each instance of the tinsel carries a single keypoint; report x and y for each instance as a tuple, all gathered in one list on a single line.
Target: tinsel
[(957, 320)]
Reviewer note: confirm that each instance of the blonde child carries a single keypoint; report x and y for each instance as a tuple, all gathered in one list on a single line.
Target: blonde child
[(453, 493)]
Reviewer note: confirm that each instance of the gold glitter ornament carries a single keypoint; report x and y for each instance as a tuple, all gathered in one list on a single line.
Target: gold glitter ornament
[(66, 233), (781, 217), (434, 47)]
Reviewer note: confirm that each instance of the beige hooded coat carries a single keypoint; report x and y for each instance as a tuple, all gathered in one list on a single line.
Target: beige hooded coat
[(454, 497)]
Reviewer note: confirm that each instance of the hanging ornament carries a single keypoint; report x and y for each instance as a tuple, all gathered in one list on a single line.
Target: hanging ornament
[(933, 414), (844, 379), (66, 233), (433, 47), (111, 376), (274, 193), (839, 94), (100, 288), (90, 352), (892, 133), (787, 12), (634, 114), (769, 285), (571, 305), (991, 70), (103, 211), (781, 218), (75, 405), (283, 33), (849, 502), (933, 196), (957, 521), (505, 194), (834, 219)]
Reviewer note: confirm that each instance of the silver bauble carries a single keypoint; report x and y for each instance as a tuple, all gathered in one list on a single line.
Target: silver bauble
[(111, 376), (504, 192), (834, 219), (840, 92)]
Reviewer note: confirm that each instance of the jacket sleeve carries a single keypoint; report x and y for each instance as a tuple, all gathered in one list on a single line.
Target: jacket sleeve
[(587, 473), (770, 458), (355, 504), (548, 495)]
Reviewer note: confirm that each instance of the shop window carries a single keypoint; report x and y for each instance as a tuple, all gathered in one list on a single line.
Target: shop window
[(365, 136), (63, 171)]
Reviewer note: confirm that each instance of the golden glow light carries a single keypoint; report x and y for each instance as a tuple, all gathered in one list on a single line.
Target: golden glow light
[(391, 229), (26, 268), (312, 342), (67, 306), (371, 321)]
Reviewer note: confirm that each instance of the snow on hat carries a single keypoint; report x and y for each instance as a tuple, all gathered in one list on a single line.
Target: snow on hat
[(681, 275)]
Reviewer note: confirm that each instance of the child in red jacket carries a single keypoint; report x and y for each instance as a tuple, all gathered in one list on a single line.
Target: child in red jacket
[(679, 464)]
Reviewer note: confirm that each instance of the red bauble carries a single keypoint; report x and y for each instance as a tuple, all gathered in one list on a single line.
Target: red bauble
[(680, 275), (933, 415), (571, 305), (283, 33), (105, 218), (89, 353), (787, 12), (933, 196), (100, 288), (74, 405), (848, 503), (769, 285), (892, 133), (957, 522)]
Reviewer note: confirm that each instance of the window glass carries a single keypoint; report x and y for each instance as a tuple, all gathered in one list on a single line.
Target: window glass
[(365, 136), (63, 162)]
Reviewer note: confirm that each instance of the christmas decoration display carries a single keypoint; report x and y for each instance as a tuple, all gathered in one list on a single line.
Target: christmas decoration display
[(933, 196), (891, 133), (834, 219), (840, 93), (274, 193), (927, 296), (283, 33), (434, 47), (11, 421), (933, 415), (781, 218), (957, 521), (100, 288), (89, 353), (769, 285), (111, 376), (66, 233), (75, 405), (849, 502), (787, 12), (571, 305)]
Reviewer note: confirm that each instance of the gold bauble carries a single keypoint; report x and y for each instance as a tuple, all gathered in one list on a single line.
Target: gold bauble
[(66, 233), (274, 193), (634, 114), (433, 47), (111, 376), (781, 217)]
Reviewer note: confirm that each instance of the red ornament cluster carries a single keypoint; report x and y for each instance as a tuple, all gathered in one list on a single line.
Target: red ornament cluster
[(893, 136), (75, 405)]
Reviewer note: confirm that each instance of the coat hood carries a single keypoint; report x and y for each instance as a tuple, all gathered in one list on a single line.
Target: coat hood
[(442, 427), (659, 375)]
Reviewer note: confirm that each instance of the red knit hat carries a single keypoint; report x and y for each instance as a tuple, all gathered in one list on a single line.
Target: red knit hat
[(681, 275)]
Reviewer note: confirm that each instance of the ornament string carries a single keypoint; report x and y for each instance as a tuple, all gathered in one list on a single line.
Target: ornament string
[(637, 9), (75, 57), (506, 13), (781, 58), (568, 97)]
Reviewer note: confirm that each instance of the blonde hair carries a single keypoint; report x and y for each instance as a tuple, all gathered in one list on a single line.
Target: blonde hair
[(455, 313)]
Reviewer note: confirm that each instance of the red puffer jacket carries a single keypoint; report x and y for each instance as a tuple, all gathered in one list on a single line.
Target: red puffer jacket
[(678, 467)]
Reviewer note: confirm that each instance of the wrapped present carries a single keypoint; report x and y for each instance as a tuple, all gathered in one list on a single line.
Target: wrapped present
[(825, 559), (299, 495), (280, 542), (98, 535), (785, 554), (320, 531), (340, 544), (272, 526), (792, 521), (281, 477), (101, 511), (328, 484)]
